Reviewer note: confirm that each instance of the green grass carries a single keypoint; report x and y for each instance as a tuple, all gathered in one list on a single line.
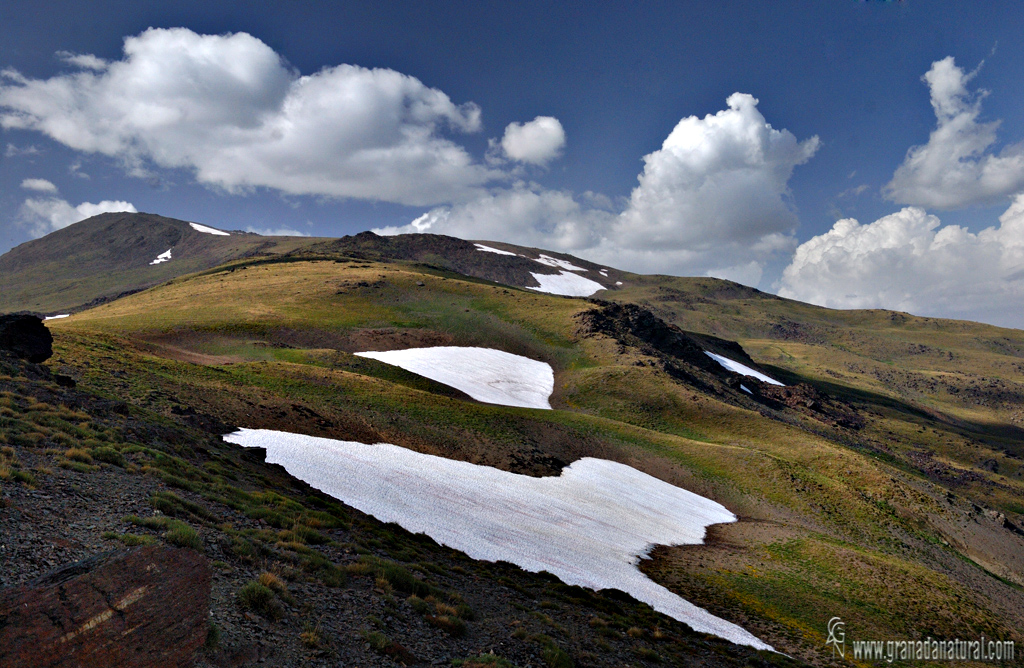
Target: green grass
[(290, 340)]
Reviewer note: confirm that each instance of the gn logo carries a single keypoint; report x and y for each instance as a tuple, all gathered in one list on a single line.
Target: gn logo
[(837, 637)]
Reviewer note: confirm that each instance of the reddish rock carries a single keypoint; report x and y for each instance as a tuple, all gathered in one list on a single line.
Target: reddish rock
[(143, 607)]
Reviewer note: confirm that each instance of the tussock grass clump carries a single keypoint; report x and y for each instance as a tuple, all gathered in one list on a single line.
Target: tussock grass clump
[(176, 532), (77, 466), (484, 661), (261, 600), (454, 626), (183, 535), (109, 455), (384, 645), (171, 504), (396, 575), (129, 539), (78, 455), (311, 636)]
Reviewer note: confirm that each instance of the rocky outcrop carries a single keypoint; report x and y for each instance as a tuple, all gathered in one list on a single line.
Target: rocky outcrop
[(143, 607), (25, 336)]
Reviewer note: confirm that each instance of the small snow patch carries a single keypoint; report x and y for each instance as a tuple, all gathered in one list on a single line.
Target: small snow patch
[(566, 284), (745, 388), (741, 369), (57, 317), (163, 257), (618, 282), (488, 249), (588, 527), (560, 264), (604, 272), (208, 230), (487, 375)]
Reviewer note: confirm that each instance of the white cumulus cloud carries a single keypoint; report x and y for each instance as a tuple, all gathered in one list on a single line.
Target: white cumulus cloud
[(909, 261), (712, 200), (230, 110), (45, 215), (41, 185), (956, 167), (537, 142)]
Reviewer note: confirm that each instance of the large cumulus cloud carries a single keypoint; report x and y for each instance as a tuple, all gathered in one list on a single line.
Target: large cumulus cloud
[(956, 168), (229, 109), (48, 214), (712, 199), (909, 261)]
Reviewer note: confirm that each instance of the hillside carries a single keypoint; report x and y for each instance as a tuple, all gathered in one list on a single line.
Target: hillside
[(882, 484), (112, 254)]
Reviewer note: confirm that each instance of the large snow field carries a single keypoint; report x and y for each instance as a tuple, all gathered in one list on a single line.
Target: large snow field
[(741, 369), (589, 526), (208, 230), (488, 249), (487, 375), (567, 284)]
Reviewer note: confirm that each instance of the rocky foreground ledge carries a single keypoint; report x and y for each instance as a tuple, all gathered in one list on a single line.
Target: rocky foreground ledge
[(148, 606)]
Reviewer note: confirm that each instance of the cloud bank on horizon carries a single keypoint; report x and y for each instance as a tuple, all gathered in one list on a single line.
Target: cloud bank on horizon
[(908, 260), (712, 200)]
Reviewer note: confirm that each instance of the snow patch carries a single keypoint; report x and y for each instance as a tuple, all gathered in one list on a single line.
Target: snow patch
[(488, 249), (487, 375), (604, 272), (560, 264), (57, 317), (745, 388), (589, 526), (618, 282), (208, 230), (163, 257), (741, 369), (567, 284)]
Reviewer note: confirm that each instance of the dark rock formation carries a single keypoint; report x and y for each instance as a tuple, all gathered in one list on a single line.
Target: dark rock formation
[(634, 325), (26, 337), (143, 607)]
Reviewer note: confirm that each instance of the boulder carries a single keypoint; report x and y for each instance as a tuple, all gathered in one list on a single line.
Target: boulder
[(25, 336), (148, 606)]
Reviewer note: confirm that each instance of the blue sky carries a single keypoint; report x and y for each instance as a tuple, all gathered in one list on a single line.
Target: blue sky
[(839, 83)]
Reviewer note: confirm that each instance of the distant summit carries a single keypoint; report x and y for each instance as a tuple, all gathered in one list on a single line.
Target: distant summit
[(102, 257)]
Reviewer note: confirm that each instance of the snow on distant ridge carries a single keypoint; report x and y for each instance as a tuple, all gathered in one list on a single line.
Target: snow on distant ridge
[(560, 264), (57, 317), (163, 257), (588, 526), (488, 249), (741, 369), (487, 375), (567, 284), (208, 230)]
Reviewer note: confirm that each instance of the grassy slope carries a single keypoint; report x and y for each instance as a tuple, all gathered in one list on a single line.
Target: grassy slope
[(109, 254), (820, 498)]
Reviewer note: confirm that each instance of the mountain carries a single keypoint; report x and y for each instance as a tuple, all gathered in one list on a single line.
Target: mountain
[(115, 253), (873, 458)]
